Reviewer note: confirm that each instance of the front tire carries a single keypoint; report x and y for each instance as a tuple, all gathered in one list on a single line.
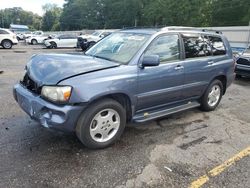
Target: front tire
[(212, 96), (53, 45), (7, 44), (101, 124)]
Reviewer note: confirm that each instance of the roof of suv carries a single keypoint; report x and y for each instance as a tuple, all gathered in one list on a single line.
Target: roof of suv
[(151, 31)]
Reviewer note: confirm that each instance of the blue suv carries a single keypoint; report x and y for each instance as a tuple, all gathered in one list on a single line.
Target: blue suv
[(131, 75)]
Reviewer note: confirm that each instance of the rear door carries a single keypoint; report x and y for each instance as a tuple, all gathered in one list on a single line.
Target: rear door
[(3, 35), (72, 41), (161, 85), (67, 41), (199, 64)]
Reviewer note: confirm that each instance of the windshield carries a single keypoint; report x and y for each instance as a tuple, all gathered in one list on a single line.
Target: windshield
[(118, 47)]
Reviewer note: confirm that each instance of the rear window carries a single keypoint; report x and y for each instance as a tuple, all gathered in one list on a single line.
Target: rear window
[(217, 45), (3, 32)]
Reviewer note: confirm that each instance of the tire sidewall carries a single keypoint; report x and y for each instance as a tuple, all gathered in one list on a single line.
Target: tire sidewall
[(84, 122), (53, 45), (204, 101), (8, 42), (34, 41)]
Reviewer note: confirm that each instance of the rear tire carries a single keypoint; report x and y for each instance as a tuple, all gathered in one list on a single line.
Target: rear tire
[(6, 44), (101, 124), (212, 96), (34, 42)]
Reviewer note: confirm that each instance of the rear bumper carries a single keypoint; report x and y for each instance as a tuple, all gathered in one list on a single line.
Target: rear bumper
[(60, 117)]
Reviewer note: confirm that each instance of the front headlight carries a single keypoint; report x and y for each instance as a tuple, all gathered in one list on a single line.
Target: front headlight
[(56, 93)]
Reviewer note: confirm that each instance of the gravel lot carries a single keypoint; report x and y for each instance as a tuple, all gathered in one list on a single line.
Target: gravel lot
[(170, 152)]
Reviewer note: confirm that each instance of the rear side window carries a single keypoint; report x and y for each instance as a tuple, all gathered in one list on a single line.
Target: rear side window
[(195, 46), (217, 45), (3, 32), (201, 46), (167, 47)]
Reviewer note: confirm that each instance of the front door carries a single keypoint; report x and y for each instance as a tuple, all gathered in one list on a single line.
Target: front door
[(161, 85)]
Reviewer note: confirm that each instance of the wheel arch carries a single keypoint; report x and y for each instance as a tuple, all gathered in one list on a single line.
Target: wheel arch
[(121, 98), (6, 40), (223, 80), (2, 42)]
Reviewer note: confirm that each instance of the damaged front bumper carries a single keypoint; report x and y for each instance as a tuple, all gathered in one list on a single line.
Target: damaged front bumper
[(61, 117)]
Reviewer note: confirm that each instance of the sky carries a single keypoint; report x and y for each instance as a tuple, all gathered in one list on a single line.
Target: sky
[(29, 5)]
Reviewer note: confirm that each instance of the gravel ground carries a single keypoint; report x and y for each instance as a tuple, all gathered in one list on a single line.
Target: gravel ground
[(169, 152)]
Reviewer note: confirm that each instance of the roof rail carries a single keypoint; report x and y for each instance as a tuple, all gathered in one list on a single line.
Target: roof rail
[(191, 29), (142, 27)]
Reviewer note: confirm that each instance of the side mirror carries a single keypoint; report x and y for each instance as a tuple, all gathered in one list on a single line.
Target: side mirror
[(150, 61), (101, 36)]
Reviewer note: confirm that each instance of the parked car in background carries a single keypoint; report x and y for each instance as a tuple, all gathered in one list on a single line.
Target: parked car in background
[(62, 41), (132, 75), (20, 36), (243, 64), (19, 30), (36, 39), (86, 41), (34, 33), (7, 38)]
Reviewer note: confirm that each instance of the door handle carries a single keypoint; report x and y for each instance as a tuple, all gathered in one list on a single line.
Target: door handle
[(210, 62), (179, 67)]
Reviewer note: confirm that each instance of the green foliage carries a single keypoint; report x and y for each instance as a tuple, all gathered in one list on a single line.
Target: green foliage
[(99, 14), (17, 15), (92, 14), (51, 17)]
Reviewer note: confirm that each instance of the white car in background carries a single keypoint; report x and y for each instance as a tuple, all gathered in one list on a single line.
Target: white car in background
[(30, 38), (62, 41), (39, 39), (7, 38), (36, 33), (86, 41)]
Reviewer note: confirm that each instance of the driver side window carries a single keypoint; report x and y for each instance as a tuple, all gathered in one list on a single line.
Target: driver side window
[(167, 47)]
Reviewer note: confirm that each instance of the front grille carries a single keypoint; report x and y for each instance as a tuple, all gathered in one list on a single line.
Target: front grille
[(30, 84), (243, 61)]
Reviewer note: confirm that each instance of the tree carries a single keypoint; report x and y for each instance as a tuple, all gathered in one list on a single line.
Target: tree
[(51, 17), (17, 15), (99, 14)]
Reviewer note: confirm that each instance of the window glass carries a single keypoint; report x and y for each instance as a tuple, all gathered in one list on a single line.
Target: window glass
[(3, 32), (67, 37), (167, 47), (207, 46), (217, 45), (195, 46), (120, 47)]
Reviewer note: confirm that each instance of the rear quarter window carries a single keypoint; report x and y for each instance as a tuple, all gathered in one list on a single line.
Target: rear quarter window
[(199, 45), (217, 45), (2, 32)]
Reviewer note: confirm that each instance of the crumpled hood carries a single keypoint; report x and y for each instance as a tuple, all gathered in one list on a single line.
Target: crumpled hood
[(49, 69)]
